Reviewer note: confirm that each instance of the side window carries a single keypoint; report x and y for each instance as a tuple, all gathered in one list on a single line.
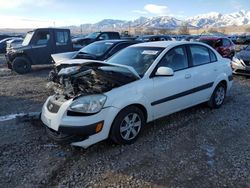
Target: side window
[(104, 36), (62, 38), (200, 55), (226, 42), (113, 36), (176, 59), (42, 38), (213, 57), (218, 43)]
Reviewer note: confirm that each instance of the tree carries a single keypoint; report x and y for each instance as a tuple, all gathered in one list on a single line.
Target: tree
[(212, 30), (183, 29), (223, 30)]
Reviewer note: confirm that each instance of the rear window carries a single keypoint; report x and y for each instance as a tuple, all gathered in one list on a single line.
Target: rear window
[(213, 57), (62, 37), (200, 55)]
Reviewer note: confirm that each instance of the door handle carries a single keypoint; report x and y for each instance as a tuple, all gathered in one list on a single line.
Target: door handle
[(187, 76)]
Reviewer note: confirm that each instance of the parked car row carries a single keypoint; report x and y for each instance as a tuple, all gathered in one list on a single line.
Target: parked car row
[(9, 42), (240, 39), (40, 44)]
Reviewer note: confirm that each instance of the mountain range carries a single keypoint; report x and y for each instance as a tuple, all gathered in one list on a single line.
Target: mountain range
[(212, 19)]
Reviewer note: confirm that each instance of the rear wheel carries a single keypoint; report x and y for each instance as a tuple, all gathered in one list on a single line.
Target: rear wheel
[(21, 65), (127, 125), (218, 96)]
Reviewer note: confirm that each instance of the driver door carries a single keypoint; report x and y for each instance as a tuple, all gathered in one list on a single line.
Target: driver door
[(172, 93), (41, 48)]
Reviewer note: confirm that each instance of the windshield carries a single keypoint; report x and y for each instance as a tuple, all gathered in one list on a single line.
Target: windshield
[(93, 35), (140, 58), (96, 49), (27, 38)]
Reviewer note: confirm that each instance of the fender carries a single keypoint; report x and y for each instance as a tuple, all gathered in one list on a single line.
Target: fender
[(134, 95)]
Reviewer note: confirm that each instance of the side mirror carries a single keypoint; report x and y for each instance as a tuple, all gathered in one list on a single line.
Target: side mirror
[(164, 71)]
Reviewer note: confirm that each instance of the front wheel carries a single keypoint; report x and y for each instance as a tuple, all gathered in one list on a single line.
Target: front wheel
[(127, 125), (21, 65), (218, 96)]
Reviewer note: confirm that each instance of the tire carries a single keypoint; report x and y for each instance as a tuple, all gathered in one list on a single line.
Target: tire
[(59, 137), (127, 125), (218, 96), (21, 65)]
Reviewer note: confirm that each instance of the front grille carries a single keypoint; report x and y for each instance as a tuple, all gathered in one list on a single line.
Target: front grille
[(242, 71), (53, 107), (247, 63)]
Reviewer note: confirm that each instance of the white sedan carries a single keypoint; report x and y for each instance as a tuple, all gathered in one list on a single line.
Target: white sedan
[(141, 83)]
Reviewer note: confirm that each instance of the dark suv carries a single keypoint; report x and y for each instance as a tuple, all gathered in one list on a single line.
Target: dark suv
[(223, 45)]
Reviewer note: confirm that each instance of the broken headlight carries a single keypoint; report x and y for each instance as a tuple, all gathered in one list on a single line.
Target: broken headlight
[(238, 60), (88, 104), (69, 70)]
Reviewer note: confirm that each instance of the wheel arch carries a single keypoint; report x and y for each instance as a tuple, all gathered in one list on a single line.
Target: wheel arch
[(24, 55), (224, 82)]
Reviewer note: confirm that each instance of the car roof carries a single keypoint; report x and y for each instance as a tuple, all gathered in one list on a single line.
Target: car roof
[(212, 38), (164, 44), (115, 41)]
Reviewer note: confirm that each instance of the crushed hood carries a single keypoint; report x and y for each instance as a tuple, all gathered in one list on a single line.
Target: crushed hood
[(92, 78), (62, 57)]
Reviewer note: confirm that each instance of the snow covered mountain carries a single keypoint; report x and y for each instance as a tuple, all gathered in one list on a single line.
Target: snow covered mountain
[(215, 19), (212, 19)]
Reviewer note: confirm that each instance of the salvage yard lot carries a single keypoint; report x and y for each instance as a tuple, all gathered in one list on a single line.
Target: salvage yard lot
[(197, 147)]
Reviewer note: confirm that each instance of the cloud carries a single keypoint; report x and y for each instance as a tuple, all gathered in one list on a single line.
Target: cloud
[(153, 9), (156, 9)]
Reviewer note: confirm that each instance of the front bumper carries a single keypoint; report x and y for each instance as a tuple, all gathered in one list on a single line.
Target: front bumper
[(241, 69), (59, 121)]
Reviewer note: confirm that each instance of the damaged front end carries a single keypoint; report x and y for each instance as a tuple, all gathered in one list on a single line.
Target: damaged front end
[(89, 79), (80, 93)]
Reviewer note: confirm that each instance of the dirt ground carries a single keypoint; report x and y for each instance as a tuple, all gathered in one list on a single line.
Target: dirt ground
[(197, 147)]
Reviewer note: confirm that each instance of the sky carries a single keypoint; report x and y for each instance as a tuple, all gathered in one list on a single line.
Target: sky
[(47, 13)]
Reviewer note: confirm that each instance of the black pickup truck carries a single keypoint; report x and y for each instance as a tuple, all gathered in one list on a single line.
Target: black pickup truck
[(37, 47)]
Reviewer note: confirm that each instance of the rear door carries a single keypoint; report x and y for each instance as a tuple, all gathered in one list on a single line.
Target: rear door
[(204, 71), (62, 41), (172, 93)]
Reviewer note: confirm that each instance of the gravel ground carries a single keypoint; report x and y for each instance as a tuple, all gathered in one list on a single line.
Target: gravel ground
[(197, 147)]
